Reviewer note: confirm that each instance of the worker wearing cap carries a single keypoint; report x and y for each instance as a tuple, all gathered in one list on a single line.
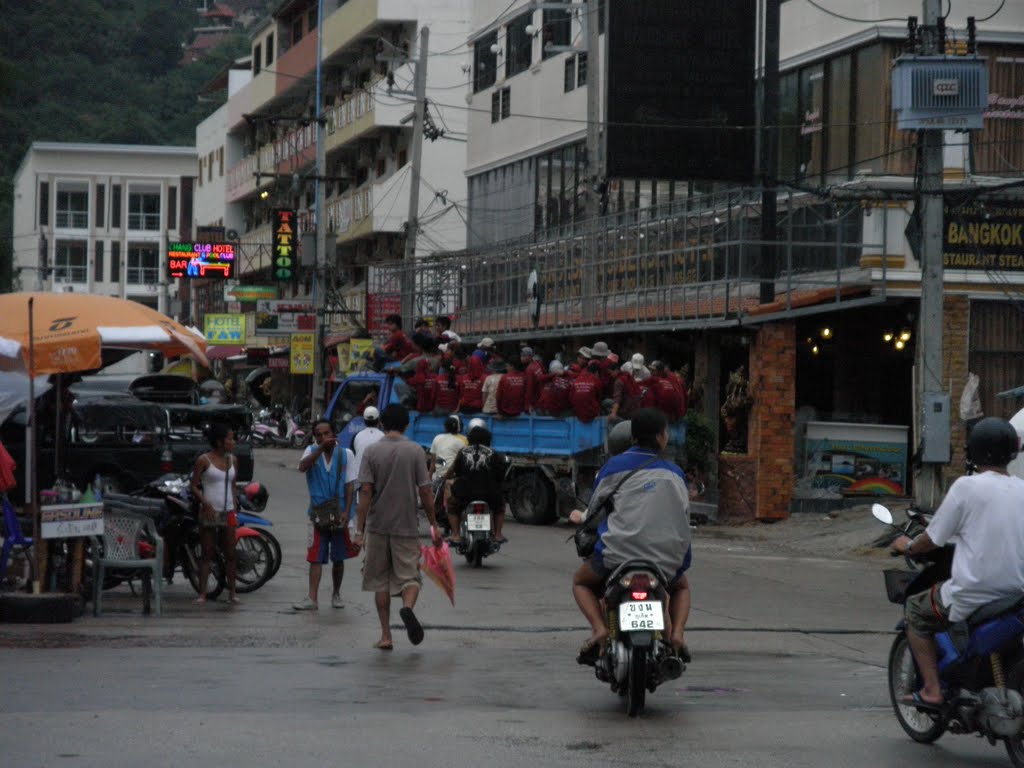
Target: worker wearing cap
[(484, 349), (533, 369), (553, 399)]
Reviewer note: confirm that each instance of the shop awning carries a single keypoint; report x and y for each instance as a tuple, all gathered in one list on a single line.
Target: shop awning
[(217, 352)]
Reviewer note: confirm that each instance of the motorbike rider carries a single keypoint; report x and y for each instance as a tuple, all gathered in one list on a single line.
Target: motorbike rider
[(446, 445), (981, 514), (649, 519), (478, 473)]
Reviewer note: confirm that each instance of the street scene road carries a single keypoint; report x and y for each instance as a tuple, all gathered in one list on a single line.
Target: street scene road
[(790, 633)]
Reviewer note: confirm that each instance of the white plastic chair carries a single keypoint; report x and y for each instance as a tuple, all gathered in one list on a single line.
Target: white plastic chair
[(122, 533)]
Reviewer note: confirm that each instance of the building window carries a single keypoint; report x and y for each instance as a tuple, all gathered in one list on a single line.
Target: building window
[(403, 158), (570, 74), (518, 45), (257, 59), (501, 104), (72, 208), (601, 16), (296, 30), (581, 69), (789, 126), (143, 264), (115, 206), (996, 338), (115, 262), (70, 263), (812, 105), (557, 29), (840, 71), (172, 207), (485, 62), (220, 161), (312, 17), (101, 205), (269, 59), (44, 203), (144, 211), (97, 272)]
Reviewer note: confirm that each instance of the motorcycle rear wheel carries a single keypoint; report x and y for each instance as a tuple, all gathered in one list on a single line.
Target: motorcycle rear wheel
[(190, 565), (478, 554), (275, 550), (1015, 680), (636, 685), (903, 679)]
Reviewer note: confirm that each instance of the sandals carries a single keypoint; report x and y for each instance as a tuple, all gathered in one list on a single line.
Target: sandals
[(589, 654), (914, 700)]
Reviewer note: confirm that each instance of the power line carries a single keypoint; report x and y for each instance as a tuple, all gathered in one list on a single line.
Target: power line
[(993, 14), (849, 18)]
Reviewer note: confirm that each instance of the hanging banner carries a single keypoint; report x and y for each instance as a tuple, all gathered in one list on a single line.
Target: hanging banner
[(285, 240), (360, 355), (250, 292), (224, 329), (302, 353)]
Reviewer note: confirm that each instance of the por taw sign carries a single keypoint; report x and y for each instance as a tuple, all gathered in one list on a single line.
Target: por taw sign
[(285, 238)]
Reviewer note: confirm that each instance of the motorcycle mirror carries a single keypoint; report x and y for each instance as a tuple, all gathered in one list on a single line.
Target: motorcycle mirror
[(881, 513)]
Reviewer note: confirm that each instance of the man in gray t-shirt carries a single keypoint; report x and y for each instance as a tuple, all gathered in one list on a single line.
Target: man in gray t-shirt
[(393, 473)]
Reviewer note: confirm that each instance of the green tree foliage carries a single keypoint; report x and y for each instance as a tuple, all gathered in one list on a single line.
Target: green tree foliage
[(97, 71)]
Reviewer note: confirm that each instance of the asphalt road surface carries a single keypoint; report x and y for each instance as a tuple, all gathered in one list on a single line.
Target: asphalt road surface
[(789, 670)]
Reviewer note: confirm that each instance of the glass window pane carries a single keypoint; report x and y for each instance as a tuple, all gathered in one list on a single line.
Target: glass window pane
[(871, 112), (812, 94), (519, 45), (485, 62), (838, 163), (789, 123)]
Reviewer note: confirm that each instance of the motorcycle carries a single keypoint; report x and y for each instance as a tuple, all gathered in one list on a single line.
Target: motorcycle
[(476, 539), (281, 432), (981, 660), (635, 658)]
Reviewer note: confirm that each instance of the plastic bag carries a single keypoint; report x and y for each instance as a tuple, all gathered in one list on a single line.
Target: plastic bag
[(970, 399), (436, 562)]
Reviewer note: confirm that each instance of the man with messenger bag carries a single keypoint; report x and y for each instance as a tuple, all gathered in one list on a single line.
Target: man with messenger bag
[(330, 476)]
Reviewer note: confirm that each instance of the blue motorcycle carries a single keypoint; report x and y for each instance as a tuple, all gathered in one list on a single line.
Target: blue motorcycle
[(981, 660)]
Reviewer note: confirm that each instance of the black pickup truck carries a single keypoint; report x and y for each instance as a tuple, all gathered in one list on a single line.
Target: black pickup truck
[(186, 428)]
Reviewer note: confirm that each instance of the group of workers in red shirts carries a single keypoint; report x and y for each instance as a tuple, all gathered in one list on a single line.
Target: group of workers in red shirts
[(445, 379)]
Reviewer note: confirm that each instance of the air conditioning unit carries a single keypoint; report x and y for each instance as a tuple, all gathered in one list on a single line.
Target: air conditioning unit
[(939, 92)]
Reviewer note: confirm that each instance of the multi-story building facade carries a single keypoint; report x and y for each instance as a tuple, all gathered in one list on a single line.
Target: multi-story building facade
[(97, 218), (365, 85), (676, 267)]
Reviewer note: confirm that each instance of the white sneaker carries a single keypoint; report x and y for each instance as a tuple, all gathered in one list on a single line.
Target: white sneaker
[(305, 605), (336, 601)]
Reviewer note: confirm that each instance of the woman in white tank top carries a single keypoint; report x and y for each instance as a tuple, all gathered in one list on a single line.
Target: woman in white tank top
[(213, 483)]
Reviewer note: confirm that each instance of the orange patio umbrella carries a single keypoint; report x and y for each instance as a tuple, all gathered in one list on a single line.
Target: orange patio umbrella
[(71, 330)]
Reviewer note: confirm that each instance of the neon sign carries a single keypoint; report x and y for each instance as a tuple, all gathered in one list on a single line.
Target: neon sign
[(211, 260), (284, 244)]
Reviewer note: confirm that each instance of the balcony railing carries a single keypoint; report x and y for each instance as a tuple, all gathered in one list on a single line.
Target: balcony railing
[(701, 267), (354, 106), (270, 155), (73, 219), (70, 274), (143, 275), (145, 222)]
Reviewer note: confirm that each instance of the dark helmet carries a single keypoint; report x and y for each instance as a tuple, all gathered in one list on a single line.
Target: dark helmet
[(257, 495), (479, 435), (453, 424), (993, 442), (620, 438)]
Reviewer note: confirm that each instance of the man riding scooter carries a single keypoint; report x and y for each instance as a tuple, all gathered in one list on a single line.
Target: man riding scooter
[(478, 472)]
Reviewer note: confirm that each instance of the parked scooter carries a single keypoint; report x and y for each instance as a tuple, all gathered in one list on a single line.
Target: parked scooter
[(282, 432), (981, 660), (635, 658)]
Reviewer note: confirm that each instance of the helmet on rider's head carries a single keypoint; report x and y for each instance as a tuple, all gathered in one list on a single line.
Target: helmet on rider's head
[(257, 495), (479, 435), (993, 442), (453, 424), (477, 422), (620, 438)]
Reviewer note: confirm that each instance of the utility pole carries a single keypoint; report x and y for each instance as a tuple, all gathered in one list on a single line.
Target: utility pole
[(320, 257), (929, 327), (416, 156), (594, 170)]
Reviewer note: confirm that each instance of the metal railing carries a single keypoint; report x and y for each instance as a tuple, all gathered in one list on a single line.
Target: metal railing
[(696, 264)]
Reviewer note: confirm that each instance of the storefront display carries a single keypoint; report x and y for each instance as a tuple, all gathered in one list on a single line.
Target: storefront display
[(843, 459)]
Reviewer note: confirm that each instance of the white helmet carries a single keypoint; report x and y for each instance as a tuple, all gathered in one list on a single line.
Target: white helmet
[(477, 422)]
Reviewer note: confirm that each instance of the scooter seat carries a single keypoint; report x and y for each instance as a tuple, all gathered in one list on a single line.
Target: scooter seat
[(1011, 604)]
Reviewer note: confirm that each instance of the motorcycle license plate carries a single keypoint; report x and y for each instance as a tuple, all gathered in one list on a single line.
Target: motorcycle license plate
[(478, 522), (641, 616)]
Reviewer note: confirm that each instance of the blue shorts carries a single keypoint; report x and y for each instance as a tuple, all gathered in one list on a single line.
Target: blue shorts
[(597, 564), (325, 547)]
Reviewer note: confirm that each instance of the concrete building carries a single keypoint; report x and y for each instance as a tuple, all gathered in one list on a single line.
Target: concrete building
[(97, 218), (676, 267), (270, 144)]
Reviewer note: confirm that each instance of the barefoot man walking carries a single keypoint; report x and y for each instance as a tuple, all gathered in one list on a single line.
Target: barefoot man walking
[(393, 474)]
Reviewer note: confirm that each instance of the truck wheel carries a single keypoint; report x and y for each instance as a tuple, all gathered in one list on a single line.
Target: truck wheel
[(532, 499)]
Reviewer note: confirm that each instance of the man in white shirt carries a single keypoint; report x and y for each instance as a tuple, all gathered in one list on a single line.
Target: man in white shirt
[(364, 438), (983, 514)]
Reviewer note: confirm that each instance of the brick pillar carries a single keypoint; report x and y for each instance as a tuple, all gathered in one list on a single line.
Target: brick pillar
[(955, 359), (771, 439)]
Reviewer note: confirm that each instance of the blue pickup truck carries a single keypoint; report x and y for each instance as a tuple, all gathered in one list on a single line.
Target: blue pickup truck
[(554, 460)]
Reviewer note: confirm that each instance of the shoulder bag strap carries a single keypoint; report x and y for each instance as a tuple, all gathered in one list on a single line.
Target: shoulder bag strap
[(338, 461)]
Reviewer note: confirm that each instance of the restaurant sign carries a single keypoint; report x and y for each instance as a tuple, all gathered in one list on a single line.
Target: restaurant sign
[(984, 237)]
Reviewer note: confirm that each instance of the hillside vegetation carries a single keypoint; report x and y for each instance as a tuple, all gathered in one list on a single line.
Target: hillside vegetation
[(97, 71)]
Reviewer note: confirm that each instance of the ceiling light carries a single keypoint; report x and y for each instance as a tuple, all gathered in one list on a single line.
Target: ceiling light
[(900, 344), (905, 336), (264, 195), (826, 332), (815, 350), (888, 336)]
